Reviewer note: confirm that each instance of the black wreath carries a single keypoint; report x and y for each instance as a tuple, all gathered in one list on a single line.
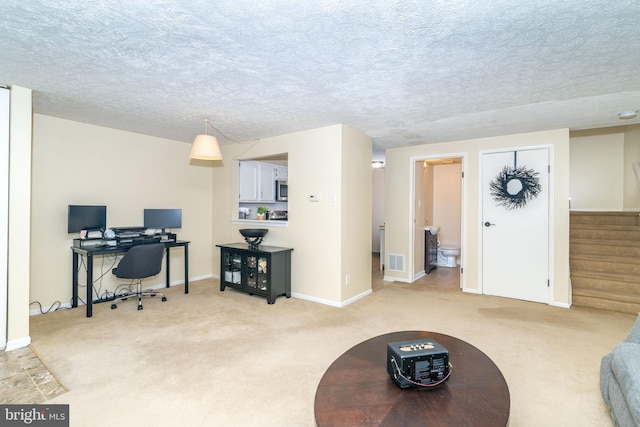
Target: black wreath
[(530, 187)]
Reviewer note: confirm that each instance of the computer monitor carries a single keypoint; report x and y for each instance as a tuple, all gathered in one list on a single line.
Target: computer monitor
[(163, 218), (83, 217)]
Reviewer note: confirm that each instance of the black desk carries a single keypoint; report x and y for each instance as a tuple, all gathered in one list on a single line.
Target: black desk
[(90, 252)]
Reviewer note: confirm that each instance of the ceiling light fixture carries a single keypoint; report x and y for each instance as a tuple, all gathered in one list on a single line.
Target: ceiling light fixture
[(626, 115), (205, 147), (377, 164)]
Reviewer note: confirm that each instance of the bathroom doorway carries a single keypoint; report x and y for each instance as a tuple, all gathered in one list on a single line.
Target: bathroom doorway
[(438, 202)]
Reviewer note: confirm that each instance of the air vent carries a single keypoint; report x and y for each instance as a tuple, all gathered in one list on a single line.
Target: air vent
[(396, 262)]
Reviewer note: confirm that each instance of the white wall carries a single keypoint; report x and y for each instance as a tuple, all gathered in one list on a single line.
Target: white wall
[(316, 166), (597, 171), (447, 203), (78, 163), (19, 214), (399, 165), (377, 210), (70, 167), (423, 208), (631, 179), (4, 210), (355, 233), (602, 173)]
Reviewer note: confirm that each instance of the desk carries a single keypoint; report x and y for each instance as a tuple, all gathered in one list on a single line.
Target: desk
[(91, 252), (356, 389)]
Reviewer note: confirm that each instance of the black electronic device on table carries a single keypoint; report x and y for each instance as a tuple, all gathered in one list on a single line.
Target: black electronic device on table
[(418, 363)]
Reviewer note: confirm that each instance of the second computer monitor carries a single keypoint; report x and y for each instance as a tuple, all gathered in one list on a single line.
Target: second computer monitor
[(83, 217), (163, 218)]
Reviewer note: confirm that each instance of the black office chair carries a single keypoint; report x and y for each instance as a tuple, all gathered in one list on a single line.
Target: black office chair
[(138, 263)]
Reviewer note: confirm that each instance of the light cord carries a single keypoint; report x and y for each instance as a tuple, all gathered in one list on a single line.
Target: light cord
[(207, 121)]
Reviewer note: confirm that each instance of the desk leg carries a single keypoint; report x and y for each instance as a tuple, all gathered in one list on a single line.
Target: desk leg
[(168, 266), (89, 285), (186, 268), (74, 280)]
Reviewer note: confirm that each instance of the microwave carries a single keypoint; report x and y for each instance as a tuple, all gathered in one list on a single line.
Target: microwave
[(282, 191)]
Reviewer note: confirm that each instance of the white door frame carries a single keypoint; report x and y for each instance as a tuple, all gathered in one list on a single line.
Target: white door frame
[(412, 219), (551, 239), (5, 95)]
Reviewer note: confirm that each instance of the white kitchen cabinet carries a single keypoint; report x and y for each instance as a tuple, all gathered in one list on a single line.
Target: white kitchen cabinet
[(257, 182), (267, 183), (248, 181), (282, 173)]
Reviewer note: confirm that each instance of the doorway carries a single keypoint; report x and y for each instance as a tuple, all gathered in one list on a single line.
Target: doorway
[(438, 201)]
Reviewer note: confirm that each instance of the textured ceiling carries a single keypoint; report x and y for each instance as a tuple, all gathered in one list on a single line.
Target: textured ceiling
[(404, 72)]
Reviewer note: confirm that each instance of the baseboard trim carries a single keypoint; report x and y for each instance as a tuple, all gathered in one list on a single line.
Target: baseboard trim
[(159, 286), (395, 279), (45, 310), (559, 304), (331, 302), (19, 343)]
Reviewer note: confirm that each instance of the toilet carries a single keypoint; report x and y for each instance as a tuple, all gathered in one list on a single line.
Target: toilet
[(448, 257)]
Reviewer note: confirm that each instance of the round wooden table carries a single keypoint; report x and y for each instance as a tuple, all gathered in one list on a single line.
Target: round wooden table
[(356, 389)]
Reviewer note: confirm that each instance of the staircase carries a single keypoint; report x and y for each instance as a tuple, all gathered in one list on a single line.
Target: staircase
[(604, 260)]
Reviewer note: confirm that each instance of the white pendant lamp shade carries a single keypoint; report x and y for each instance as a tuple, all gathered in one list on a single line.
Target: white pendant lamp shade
[(205, 147)]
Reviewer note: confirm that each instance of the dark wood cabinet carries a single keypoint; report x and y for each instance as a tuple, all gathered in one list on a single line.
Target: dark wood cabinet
[(265, 271), (430, 251)]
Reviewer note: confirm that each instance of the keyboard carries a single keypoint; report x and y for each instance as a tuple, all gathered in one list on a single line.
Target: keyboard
[(133, 229)]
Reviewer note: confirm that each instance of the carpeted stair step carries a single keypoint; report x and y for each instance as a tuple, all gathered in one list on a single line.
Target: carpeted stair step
[(605, 233), (604, 260), (604, 218), (603, 302), (606, 264), (626, 284), (604, 247)]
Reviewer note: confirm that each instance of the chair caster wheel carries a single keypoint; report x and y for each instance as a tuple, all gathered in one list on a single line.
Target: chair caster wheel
[(139, 307), (113, 306), (164, 299)]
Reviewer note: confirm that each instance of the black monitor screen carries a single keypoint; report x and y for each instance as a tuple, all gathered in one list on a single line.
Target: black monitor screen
[(86, 218), (163, 218)]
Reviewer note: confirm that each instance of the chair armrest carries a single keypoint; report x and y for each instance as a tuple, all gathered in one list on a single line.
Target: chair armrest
[(634, 334)]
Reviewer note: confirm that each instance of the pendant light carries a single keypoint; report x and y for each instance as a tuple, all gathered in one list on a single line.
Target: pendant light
[(205, 147)]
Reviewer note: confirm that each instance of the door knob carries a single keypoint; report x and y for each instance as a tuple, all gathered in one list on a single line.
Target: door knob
[(488, 224)]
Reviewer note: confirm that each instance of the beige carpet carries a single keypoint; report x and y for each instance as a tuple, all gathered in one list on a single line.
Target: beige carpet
[(215, 358)]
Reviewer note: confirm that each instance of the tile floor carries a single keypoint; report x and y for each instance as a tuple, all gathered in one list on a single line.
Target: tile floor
[(445, 278), (24, 379)]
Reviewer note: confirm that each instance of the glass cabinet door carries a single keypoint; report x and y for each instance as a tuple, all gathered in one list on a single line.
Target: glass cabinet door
[(257, 272), (232, 267)]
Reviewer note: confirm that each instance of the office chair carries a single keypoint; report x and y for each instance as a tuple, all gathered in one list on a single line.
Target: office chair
[(138, 263)]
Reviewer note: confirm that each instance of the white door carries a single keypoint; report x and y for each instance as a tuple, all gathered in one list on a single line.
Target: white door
[(515, 224)]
